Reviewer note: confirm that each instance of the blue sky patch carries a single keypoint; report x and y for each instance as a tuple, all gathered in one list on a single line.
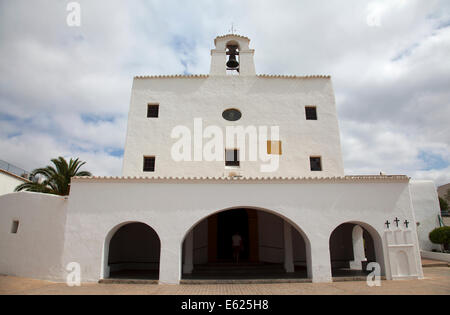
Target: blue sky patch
[(432, 161), (93, 119)]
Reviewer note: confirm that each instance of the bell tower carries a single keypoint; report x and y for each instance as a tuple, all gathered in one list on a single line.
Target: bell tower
[(232, 56)]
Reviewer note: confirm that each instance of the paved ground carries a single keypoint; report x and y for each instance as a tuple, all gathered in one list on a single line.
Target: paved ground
[(437, 281), (446, 221)]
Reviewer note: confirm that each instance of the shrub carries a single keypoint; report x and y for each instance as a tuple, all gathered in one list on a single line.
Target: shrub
[(441, 236)]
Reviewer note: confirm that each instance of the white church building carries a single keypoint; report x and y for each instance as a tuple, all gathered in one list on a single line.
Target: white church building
[(207, 156)]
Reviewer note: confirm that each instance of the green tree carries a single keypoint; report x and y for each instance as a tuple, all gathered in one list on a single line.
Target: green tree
[(55, 179), (441, 236)]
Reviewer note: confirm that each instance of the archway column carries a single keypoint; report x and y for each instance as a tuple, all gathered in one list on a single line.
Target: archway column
[(320, 270), (170, 261), (358, 248)]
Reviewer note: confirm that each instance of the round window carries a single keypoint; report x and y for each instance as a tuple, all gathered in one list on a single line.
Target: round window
[(232, 114)]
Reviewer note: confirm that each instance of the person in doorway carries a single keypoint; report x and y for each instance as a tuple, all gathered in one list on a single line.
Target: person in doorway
[(237, 246)]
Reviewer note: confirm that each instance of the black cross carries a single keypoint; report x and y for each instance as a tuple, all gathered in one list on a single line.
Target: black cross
[(406, 223), (396, 221), (387, 223)]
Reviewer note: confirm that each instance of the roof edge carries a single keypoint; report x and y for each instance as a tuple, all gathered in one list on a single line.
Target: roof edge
[(396, 178), (230, 35), (15, 176), (183, 76)]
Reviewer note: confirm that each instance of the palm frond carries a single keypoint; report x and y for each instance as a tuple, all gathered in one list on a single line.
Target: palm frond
[(55, 179)]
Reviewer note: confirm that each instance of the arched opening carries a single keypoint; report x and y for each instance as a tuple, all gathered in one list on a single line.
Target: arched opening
[(233, 60), (132, 251), (353, 246), (271, 247)]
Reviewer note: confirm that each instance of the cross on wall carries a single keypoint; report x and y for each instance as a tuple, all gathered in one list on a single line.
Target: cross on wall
[(406, 223)]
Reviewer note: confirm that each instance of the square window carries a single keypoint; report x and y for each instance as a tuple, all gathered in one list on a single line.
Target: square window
[(15, 227), (232, 157), (316, 163), (311, 112), (149, 163), (274, 147), (152, 110)]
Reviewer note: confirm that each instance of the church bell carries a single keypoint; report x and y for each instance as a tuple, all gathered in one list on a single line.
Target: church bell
[(232, 63)]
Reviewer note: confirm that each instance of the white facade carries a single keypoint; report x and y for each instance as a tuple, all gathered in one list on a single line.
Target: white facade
[(426, 210), (297, 218), (262, 100), (97, 208)]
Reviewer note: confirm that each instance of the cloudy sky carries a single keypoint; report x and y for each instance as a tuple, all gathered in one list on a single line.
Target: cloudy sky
[(66, 90)]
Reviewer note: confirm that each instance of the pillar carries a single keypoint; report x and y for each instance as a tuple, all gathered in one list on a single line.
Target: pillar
[(288, 253), (358, 249), (320, 262), (188, 265), (170, 261)]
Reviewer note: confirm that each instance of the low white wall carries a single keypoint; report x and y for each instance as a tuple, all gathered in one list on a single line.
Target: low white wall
[(435, 256), (36, 249), (426, 207)]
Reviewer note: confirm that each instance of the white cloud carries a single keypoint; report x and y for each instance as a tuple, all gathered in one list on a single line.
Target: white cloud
[(66, 90)]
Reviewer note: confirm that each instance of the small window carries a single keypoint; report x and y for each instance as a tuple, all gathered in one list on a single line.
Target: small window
[(152, 111), (316, 163), (15, 227), (311, 112), (149, 164), (274, 147), (232, 157)]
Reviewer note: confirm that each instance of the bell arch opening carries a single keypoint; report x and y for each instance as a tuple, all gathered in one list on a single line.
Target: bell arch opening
[(353, 245), (233, 61), (245, 243), (132, 251)]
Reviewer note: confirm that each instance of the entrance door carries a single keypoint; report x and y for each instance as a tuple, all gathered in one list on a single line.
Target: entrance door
[(228, 223)]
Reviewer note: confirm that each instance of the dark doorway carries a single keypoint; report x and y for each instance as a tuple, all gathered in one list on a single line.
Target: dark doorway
[(228, 223), (134, 252), (341, 251)]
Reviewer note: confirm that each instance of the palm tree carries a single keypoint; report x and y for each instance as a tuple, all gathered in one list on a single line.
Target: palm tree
[(56, 180)]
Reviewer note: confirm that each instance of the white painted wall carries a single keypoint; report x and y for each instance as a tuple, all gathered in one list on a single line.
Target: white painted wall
[(48, 239), (8, 182), (36, 250), (262, 100), (172, 208), (426, 209)]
